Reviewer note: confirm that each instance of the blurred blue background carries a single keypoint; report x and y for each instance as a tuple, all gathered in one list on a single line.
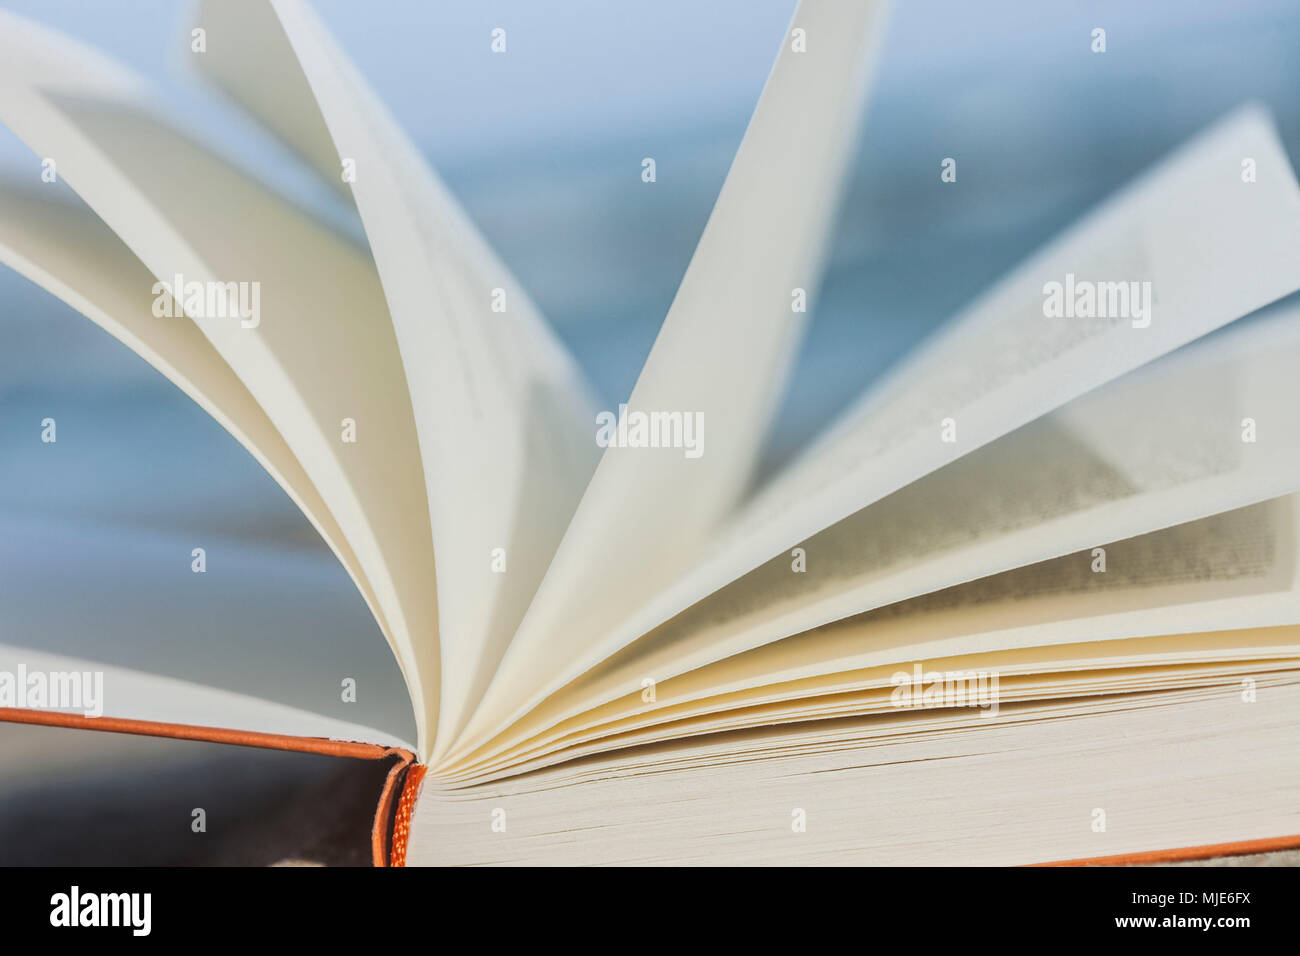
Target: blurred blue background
[(543, 146)]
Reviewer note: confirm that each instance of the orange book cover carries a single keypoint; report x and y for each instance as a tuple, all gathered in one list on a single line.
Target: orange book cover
[(393, 805)]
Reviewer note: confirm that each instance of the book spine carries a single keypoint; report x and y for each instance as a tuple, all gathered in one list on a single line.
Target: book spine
[(414, 779)]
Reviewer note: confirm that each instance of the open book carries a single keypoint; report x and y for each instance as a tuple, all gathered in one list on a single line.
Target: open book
[(1044, 571)]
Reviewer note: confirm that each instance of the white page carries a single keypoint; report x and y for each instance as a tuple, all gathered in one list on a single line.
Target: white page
[(1214, 249), (133, 695), (275, 624), (503, 415), (1071, 672), (721, 354), (324, 351), (68, 251), (977, 625), (1225, 573), (1159, 447), (251, 59)]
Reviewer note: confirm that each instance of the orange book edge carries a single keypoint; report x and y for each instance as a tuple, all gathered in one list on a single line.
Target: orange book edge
[(399, 779), (1181, 854), (402, 786)]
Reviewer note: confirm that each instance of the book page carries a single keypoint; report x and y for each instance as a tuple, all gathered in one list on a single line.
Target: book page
[(251, 60), (718, 361), (1208, 262), (67, 250), (1004, 362), (1229, 571), (1167, 766), (1159, 447), (1198, 264), (276, 629), (1163, 446), (504, 418), (1054, 673), (309, 337), (144, 696)]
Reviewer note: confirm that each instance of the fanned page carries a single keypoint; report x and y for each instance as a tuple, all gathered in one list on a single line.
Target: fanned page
[(765, 237), (1230, 571), (317, 354), (502, 413), (1016, 363), (66, 249), (1088, 475)]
